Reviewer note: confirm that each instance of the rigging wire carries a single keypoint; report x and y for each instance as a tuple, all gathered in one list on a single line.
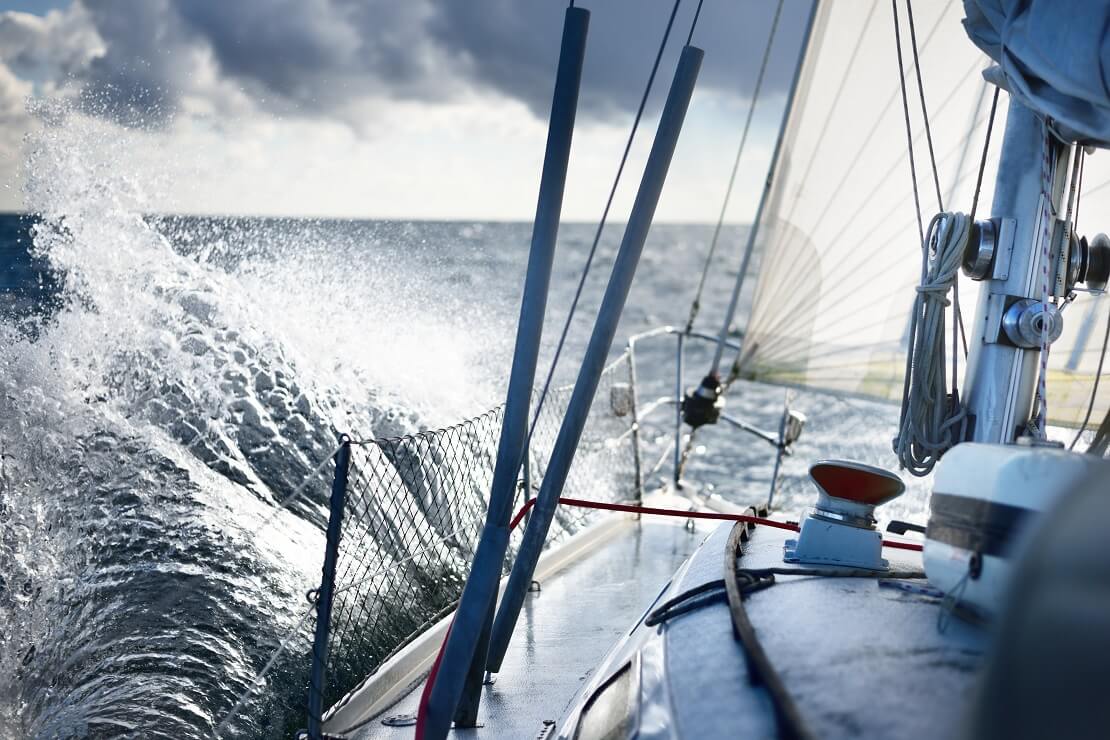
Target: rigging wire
[(924, 108), (178, 596), (876, 126), (1094, 388), (916, 196), (928, 416), (256, 682), (983, 159), (958, 323), (1106, 335), (601, 224), (1079, 188), (965, 148), (695, 307), (694, 24), (712, 377)]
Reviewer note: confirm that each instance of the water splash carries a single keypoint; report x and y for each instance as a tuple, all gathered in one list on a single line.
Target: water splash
[(193, 374)]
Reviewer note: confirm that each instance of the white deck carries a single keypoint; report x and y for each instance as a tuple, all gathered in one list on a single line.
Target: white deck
[(566, 629), (859, 659), (862, 660)]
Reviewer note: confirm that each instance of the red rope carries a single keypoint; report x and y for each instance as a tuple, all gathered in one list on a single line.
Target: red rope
[(637, 509)]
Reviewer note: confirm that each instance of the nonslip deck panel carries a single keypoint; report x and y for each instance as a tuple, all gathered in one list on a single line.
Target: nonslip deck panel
[(565, 631), (861, 660)]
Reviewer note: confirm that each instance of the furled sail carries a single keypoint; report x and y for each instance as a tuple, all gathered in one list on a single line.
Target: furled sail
[(1024, 37), (840, 243)]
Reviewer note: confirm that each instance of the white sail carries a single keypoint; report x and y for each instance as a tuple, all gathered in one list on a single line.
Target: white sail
[(840, 243)]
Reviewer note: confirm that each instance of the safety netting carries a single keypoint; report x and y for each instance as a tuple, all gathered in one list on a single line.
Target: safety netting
[(414, 510), (411, 514)]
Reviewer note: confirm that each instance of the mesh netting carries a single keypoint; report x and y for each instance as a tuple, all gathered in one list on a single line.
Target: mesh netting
[(414, 511)]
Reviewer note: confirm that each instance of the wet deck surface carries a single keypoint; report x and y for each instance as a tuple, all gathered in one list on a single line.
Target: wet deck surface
[(566, 629), (861, 659)]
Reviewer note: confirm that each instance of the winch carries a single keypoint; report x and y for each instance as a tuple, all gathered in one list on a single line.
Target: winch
[(840, 530)]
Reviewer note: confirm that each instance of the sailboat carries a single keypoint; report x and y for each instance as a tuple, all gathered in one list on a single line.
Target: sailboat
[(664, 611)]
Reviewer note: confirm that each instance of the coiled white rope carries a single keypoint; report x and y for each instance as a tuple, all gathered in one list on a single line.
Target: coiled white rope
[(929, 424)]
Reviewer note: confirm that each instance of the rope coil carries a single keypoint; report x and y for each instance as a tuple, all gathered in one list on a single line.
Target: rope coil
[(932, 421)]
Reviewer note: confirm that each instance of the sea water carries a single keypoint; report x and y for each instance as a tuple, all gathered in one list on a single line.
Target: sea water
[(166, 381)]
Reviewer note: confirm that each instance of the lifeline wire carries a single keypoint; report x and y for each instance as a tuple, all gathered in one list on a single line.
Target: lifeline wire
[(601, 224), (178, 596)]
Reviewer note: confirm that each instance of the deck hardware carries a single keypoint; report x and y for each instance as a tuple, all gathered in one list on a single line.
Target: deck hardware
[(900, 527), (981, 249), (840, 530), (534, 587), (320, 643), (1089, 263), (621, 400), (400, 720), (1026, 319), (1004, 248), (703, 405)]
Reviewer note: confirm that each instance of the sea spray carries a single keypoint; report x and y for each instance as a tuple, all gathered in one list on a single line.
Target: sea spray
[(184, 386)]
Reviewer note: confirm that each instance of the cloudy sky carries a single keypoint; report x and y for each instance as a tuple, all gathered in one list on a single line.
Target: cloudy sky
[(381, 108)]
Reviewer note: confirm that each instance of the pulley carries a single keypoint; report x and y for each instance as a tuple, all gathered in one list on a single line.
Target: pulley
[(703, 405), (1028, 320), (1089, 263), (1086, 262), (982, 245)]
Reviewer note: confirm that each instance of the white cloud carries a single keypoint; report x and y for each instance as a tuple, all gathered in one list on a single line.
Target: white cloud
[(336, 108)]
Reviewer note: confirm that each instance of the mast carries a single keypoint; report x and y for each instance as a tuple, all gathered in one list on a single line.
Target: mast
[(1001, 378)]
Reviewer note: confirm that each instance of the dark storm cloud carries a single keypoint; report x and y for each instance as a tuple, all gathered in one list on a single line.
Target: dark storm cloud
[(314, 57), (513, 45)]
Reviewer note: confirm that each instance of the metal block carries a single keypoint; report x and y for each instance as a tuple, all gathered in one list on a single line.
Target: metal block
[(823, 542), (1005, 248)]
